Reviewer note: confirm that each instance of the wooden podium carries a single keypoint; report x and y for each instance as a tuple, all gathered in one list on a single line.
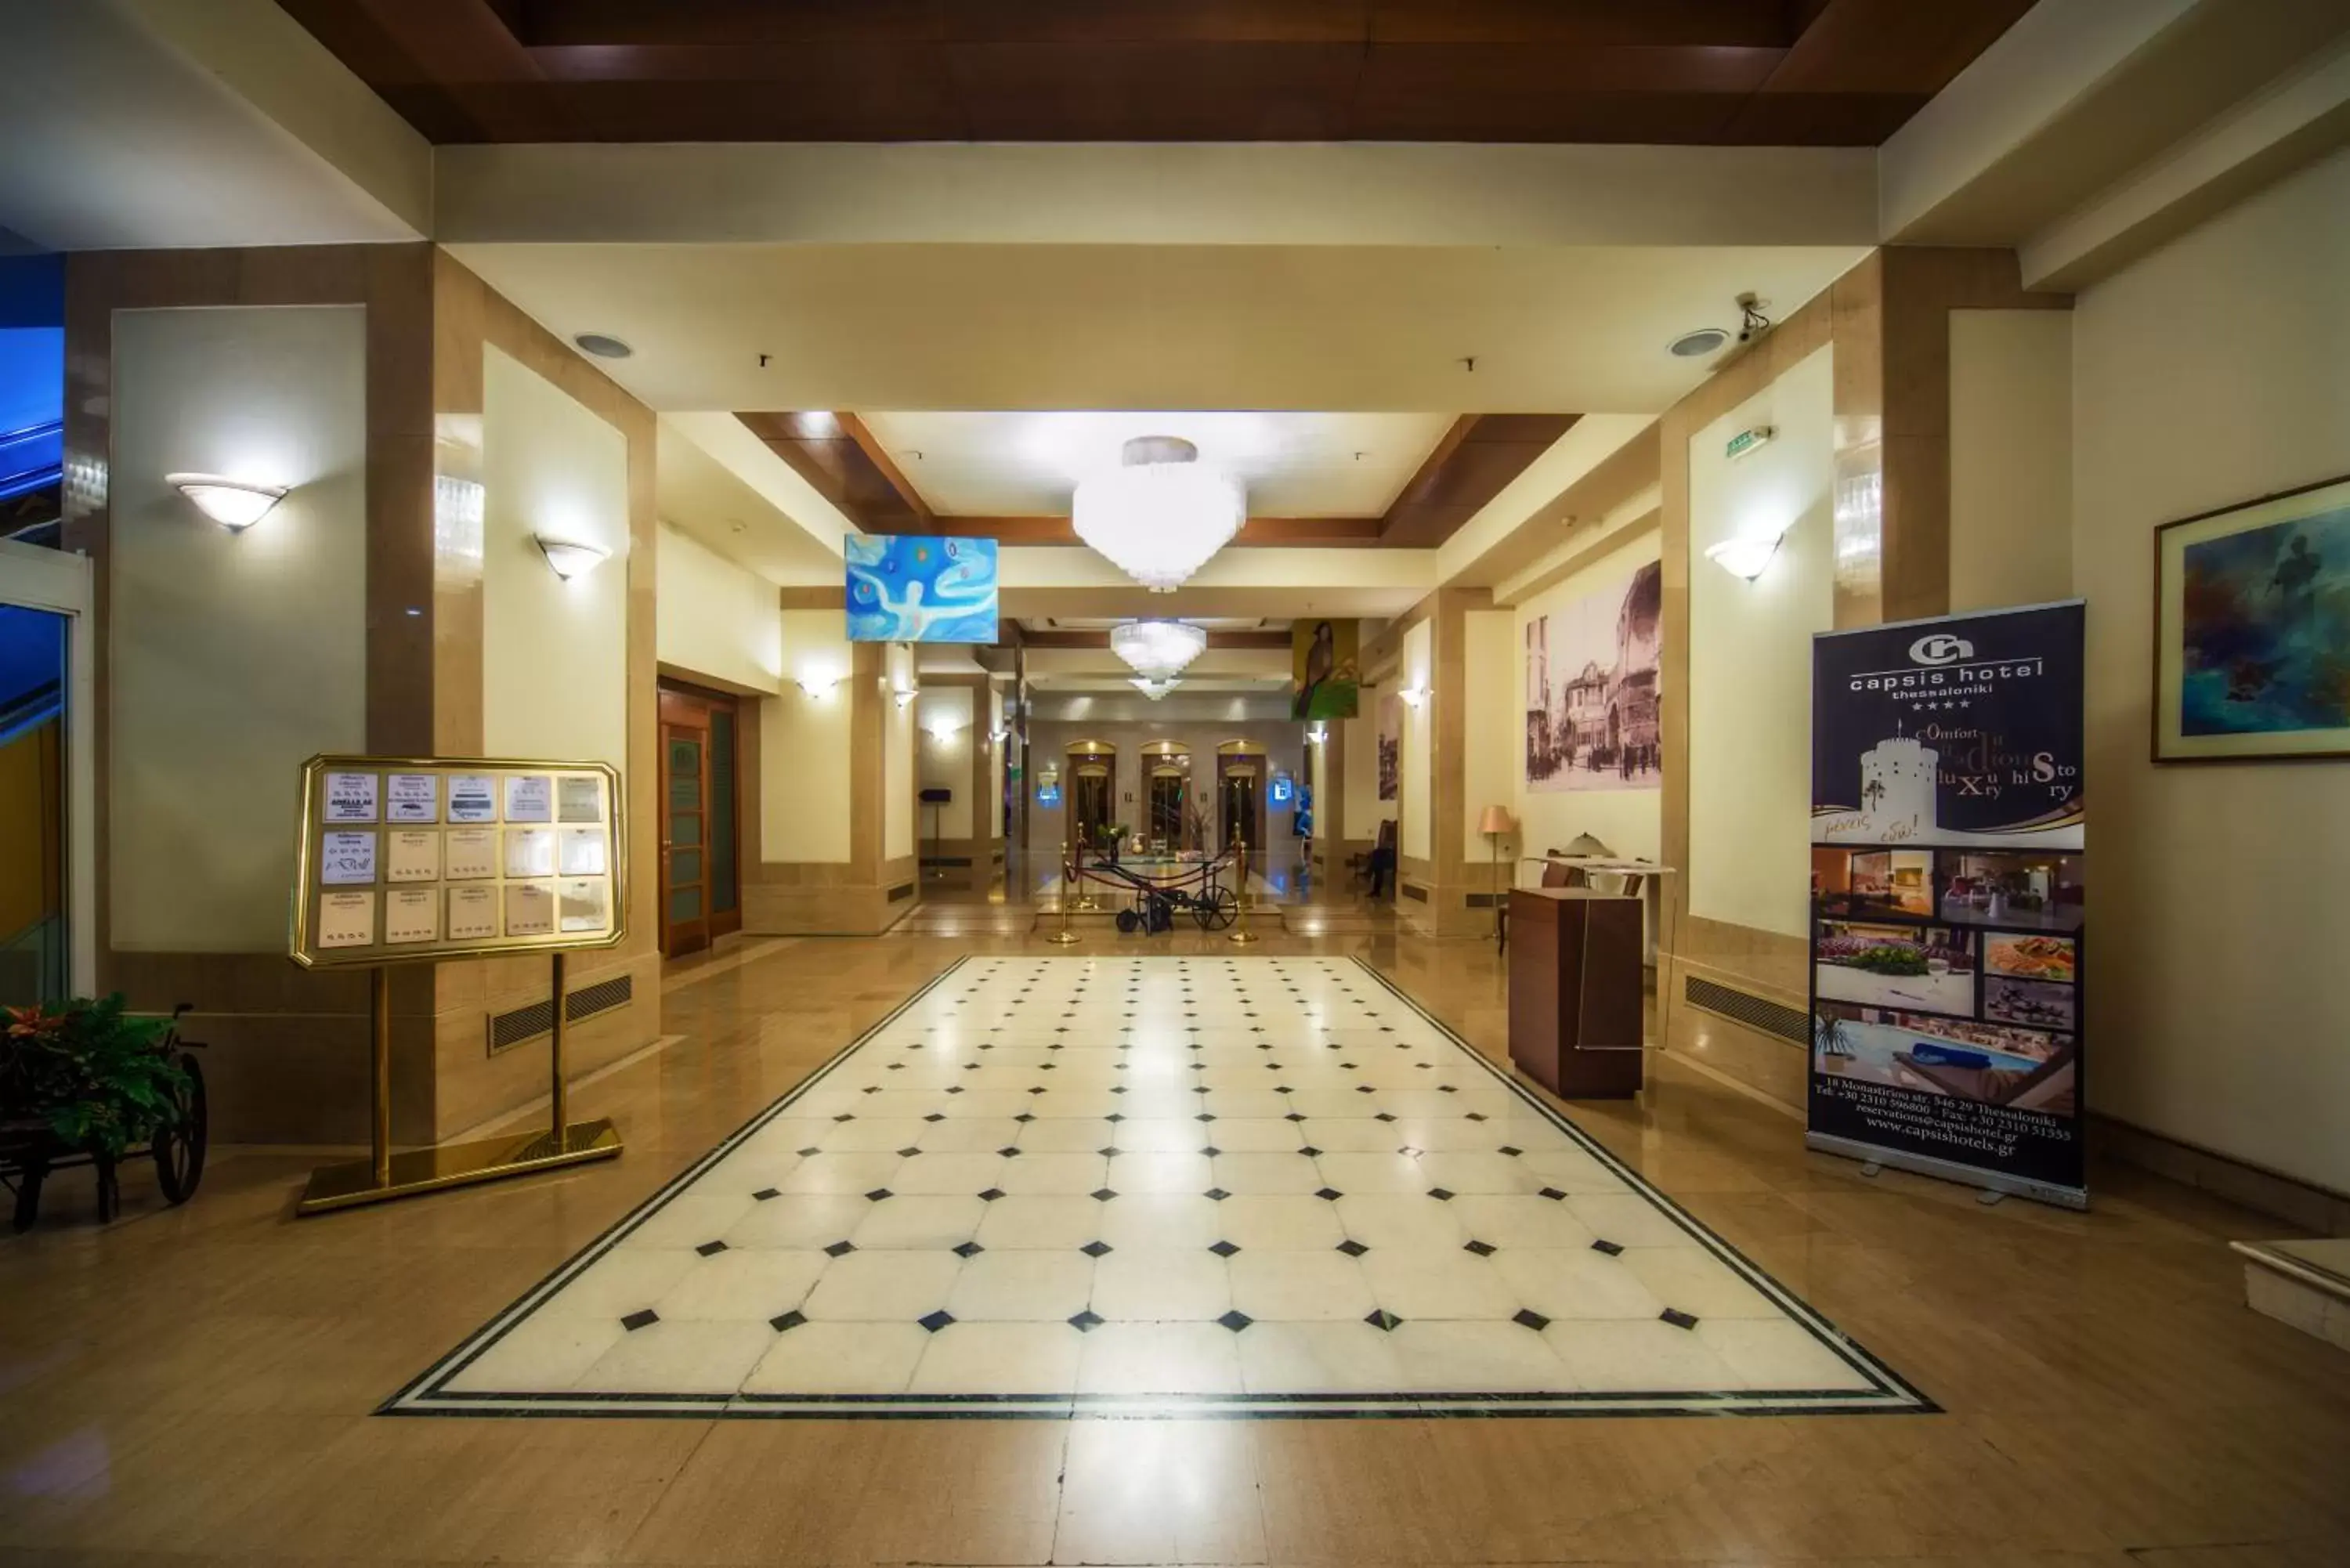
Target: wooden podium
[(1575, 983)]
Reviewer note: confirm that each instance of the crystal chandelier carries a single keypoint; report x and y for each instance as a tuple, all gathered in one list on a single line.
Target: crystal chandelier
[(1157, 649), (1161, 513), (1154, 690)]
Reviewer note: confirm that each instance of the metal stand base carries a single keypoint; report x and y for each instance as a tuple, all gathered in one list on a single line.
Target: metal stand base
[(457, 1165)]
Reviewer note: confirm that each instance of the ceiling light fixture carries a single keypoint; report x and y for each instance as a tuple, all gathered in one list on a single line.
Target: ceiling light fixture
[(570, 557), (1161, 513), (1157, 649), (236, 505), (603, 345), (1697, 345), (1154, 690), (1746, 556)]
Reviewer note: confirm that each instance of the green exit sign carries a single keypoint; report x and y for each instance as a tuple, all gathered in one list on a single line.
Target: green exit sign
[(1747, 440)]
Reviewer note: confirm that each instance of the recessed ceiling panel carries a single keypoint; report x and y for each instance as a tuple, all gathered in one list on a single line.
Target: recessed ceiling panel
[(1294, 464)]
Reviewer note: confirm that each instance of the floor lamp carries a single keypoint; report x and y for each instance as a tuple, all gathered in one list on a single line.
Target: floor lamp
[(1495, 825)]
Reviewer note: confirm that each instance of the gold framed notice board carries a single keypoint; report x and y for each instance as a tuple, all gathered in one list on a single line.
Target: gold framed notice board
[(406, 857)]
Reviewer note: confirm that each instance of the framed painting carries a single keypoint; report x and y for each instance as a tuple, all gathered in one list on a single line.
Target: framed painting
[(2252, 629)]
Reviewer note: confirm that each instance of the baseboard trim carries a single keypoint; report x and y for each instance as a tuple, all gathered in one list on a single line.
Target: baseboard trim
[(2307, 1206)]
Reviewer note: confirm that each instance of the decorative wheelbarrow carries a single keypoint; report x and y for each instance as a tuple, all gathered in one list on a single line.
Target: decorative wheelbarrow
[(31, 1152)]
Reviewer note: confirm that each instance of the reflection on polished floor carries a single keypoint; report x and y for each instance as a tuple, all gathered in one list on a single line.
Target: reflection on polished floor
[(1158, 1186), (198, 1385)]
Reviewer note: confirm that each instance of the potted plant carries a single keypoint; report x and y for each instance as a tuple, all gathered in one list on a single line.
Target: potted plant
[(85, 1079), (1110, 836)]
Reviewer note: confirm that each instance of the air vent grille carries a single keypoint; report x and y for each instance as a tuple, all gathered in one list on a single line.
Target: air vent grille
[(1769, 1017), (508, 1030)]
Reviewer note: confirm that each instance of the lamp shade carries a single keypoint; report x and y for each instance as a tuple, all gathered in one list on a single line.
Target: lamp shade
[(1495, 820)]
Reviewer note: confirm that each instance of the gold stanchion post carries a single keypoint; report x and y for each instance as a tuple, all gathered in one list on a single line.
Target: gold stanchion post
[(1064, 935), (560, 1091), (1241, 933), (380, 1049)]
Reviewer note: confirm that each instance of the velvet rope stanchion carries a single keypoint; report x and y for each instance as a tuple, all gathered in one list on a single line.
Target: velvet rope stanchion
[(1064, 935), (1241, 934)]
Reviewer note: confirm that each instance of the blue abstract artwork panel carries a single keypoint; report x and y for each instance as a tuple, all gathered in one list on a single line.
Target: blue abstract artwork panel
[(905, 587), (2267, 628)]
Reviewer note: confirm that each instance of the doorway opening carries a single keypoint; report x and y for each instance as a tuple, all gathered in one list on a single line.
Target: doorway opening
[(1240, 793), (700, 840), (1093, 778), (1167, 779)]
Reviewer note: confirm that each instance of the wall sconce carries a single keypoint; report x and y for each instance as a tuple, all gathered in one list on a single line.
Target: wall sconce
[(1317, 735), (1414, 695), (236, 505), (905, 698), (943, 730), (817, 684), (570, 557), (1746, 556)]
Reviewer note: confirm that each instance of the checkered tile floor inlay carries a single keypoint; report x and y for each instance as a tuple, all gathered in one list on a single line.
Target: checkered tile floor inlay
[(1158, 1186)]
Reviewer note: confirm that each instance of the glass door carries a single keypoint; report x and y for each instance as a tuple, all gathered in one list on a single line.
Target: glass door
[(701, 856), (1243, 813), (34, 941), (685, 839), (1166, 782), (1089, 804)]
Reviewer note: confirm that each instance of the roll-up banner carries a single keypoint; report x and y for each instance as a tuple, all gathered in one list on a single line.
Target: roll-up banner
[(1948, 888)]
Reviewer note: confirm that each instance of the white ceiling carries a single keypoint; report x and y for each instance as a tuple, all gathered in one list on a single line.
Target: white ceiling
[(707, 501), (1392, 328), (112, 138), (1006, 464)]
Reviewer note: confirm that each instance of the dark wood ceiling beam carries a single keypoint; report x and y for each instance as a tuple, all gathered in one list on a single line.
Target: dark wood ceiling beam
[(1473, 463), (1690, 72), (829, 451), (878, 456)]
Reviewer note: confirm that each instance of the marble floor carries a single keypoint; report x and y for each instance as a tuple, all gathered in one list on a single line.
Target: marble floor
[(198, 1388), (1158, 1186)]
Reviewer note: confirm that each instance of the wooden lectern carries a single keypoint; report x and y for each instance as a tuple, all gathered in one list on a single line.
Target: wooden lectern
[(1575, 983)]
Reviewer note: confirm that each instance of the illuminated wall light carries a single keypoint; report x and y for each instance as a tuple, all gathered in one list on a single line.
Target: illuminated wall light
[(943, 730), (817, 684), (569, 558), (236, 505), (457, 509), (1746, 556), (905, 698), (1414, 695)]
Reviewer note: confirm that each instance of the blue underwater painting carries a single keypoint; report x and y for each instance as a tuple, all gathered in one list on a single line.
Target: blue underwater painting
[(2266, 623), (904, 588)]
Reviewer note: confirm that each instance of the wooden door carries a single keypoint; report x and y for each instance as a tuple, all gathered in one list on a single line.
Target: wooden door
[(700, 894), (685, 830)]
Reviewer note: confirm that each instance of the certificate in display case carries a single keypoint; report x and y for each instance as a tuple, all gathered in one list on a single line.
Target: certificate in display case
[(408, 857), (403, 859)]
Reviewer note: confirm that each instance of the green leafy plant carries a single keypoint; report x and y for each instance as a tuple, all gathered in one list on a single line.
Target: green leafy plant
[(1890, 958), (97, 1077)]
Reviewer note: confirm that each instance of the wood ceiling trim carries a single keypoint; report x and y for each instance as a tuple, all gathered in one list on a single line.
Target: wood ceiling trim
[(878, 456), (835, 453), (1689, 72), (1477, 459)]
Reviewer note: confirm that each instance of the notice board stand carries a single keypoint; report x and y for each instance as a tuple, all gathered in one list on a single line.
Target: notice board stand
[(484, 856)]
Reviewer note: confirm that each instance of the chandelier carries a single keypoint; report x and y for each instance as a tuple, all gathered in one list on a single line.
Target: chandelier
[(1161, 513), (1154, 690), (1157, 649)]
